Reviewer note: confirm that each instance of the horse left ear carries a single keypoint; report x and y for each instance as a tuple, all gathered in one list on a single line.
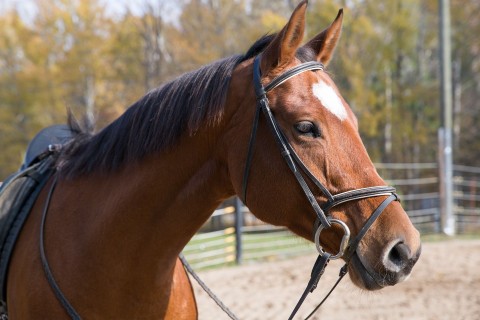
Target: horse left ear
[(325, 42), (284, 45)]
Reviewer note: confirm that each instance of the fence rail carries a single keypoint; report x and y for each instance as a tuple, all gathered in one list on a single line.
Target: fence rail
[(416, 183)]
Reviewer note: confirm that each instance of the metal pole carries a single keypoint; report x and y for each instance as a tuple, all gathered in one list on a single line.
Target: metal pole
[(238, 230), (445, 133)]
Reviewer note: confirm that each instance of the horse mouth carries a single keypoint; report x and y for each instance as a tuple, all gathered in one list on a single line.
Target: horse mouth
[(365, 278)]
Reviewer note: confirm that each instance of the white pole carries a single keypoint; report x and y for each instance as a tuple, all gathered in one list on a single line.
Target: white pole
[(445, 133)]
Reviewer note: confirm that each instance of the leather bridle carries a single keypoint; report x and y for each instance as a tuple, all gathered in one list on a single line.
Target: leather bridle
[(323, 219), (299, 169)]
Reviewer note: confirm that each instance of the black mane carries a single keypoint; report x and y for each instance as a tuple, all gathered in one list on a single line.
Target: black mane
[(156, 121)]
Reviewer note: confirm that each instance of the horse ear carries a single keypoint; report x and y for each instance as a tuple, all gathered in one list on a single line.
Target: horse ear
[(325, 42), (283, 47)]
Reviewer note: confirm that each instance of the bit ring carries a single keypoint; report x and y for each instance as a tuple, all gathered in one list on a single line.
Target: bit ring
[(343, 244)]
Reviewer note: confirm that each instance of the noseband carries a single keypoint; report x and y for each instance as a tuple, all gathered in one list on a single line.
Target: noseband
[(323, 219)]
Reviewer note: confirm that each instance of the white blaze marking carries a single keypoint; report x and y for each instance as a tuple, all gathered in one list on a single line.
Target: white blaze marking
[(329, 98)]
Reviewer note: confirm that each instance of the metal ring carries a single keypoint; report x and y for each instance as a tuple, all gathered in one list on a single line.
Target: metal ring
[(343, 244)]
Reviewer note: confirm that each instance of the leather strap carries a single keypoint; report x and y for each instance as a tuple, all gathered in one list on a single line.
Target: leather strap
[(311, 65), (342, 273), (373, 217), (205, 288), (317, 272), (291, 158), (323, 189), (358, 194), (46, 267), (285, 151), (285, 147), (353, 247), (246, 172)]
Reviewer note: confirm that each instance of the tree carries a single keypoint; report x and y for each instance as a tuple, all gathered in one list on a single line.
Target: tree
[(74, 54), (378, 70), (466, 80)]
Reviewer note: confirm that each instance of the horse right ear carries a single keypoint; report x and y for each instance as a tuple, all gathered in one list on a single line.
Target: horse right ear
[(282, 49), (325, 42)]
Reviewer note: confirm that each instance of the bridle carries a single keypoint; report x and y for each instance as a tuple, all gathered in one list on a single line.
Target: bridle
[(323, 220), (299, 169)]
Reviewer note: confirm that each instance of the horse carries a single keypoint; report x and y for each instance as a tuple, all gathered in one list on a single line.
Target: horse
[(124, 202)]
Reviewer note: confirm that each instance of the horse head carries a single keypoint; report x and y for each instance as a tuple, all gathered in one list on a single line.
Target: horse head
[(319, 127)]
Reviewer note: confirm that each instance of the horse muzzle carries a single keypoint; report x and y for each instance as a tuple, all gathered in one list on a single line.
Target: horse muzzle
[(395, 266)]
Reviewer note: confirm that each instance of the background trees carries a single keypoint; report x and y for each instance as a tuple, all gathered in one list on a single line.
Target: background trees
[(97, 57)]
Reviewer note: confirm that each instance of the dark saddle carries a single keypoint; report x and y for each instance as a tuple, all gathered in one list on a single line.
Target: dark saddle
[(19, 192), (56, 135)]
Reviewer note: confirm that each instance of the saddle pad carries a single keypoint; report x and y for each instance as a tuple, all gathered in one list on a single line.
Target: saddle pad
[(17, 197)]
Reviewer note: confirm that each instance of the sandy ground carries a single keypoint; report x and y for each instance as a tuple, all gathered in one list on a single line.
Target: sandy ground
[(445, 284)]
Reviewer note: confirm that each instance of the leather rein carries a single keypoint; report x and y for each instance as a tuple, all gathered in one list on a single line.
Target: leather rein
[(299, 169)]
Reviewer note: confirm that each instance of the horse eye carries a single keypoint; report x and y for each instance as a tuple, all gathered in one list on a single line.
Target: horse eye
[(307, 128)]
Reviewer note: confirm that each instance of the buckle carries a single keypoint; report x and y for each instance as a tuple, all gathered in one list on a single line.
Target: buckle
[(343, 244)]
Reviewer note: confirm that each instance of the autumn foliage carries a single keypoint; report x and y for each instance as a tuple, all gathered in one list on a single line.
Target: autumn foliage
[(98, 57)]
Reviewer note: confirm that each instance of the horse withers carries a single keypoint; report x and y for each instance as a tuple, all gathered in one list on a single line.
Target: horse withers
[(124, 202)]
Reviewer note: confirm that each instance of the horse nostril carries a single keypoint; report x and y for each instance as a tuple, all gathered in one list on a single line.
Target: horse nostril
[(398, 257)]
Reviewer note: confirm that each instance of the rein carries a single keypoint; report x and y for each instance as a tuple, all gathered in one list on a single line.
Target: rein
[(46, 267), (299, 169)]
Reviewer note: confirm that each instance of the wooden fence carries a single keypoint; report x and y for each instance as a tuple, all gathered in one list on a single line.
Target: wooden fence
[(417, 185)]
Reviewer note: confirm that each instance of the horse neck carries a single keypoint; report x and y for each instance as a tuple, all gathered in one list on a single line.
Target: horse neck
[(151, 208)]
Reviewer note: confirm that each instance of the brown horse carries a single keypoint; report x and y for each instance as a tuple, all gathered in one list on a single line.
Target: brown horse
[(128, 199)]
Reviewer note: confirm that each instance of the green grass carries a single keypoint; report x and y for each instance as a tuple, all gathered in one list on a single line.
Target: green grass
[(204, 252)]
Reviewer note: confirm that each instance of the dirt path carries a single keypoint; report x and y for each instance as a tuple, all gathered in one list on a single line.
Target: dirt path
[(445, 284)]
